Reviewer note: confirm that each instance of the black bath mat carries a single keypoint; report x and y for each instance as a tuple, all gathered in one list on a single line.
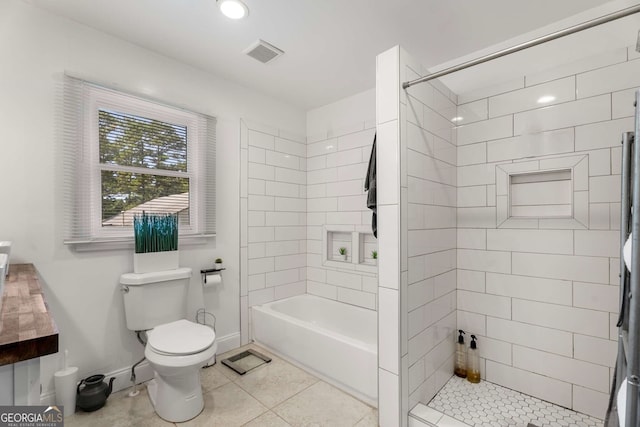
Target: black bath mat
[(246, 361)]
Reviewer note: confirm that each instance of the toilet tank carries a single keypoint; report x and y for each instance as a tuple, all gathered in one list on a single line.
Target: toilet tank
[(151, 299)]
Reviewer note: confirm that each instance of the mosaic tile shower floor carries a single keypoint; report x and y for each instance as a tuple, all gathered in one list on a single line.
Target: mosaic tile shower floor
[(486, 404)]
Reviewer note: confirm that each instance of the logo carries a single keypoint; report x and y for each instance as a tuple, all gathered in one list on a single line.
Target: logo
[(31, 416)]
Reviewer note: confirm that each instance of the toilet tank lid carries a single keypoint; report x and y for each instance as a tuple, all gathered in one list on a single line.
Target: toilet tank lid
[(137, 279)]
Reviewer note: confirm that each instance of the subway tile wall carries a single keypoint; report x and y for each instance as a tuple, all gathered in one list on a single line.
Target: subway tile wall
[(337, 162), (543, 299), (291, 187), (428, 196), (273, 213)]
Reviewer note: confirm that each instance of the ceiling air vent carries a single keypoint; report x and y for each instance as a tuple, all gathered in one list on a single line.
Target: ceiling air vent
[(263, 51)]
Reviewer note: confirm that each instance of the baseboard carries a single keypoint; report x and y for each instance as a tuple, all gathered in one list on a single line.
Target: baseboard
[(228, 342), (122, 381), (144, 371)]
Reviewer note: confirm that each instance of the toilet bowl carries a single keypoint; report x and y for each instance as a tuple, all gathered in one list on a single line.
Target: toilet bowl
[(176, 348), (176, 351)]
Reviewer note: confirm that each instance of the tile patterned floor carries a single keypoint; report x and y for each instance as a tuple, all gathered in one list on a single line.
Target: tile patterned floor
[(277, 394), (460, 403)]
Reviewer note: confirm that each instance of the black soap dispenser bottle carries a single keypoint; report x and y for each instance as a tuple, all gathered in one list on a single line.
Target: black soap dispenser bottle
[(461, 357), (473, 363)]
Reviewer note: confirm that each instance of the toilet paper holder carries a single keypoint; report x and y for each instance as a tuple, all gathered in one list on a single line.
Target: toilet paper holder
[(206, 272)]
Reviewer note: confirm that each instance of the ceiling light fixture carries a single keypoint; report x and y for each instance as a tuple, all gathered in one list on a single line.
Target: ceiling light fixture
[(457, 119), (546, 99), (233, 9)]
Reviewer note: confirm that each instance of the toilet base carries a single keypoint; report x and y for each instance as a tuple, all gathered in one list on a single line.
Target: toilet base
[(178, 398)]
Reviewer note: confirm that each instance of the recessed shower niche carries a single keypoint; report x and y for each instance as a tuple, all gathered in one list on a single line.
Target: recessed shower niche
[(543, 194), (550, 192), (359, 243)]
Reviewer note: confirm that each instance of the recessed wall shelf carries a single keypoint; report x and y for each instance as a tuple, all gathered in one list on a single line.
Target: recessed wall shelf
[(337, 240), (542, 194), (547, 192), (367, 244), (359, 242)]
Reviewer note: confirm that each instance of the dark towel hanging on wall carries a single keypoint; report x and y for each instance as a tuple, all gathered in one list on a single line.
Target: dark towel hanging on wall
[(370, 186)]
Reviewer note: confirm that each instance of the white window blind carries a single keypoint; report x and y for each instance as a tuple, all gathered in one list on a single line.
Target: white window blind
[(124, 155)]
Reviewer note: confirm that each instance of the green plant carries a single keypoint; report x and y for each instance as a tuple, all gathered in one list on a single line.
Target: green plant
[(218, 260), (342, 251), (374, 254), (155, 232)]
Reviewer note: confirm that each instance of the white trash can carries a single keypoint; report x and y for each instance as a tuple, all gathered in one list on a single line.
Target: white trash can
[(66, 381)]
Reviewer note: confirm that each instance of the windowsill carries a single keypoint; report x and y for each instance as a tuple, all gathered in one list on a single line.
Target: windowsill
[(120, 243)]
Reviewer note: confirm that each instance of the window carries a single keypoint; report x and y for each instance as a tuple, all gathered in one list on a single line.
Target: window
[(125, 155)]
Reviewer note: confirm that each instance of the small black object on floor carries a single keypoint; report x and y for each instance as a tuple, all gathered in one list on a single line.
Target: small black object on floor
[(246, 361), (531, 425)]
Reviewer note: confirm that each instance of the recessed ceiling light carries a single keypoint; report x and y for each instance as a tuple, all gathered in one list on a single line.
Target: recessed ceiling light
[(546, 99), (233, 9), (457, 119)]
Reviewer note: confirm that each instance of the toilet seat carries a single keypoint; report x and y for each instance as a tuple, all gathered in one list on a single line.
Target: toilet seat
[(160, 361), (180, 338)]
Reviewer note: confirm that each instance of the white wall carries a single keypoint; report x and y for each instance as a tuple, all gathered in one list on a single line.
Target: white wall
[(339, 141), (82, 288), (342, 116), (542, 294)]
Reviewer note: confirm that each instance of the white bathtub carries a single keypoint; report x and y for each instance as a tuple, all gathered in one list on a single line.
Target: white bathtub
[(337, 341)]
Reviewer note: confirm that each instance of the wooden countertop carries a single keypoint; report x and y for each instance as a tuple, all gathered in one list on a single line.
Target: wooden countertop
[(27, 329)]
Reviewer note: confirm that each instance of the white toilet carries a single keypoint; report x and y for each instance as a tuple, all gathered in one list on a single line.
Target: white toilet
[(176, 348)]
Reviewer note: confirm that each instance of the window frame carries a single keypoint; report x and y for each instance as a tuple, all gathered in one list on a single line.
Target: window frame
[(82, 167), (102, 99)]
